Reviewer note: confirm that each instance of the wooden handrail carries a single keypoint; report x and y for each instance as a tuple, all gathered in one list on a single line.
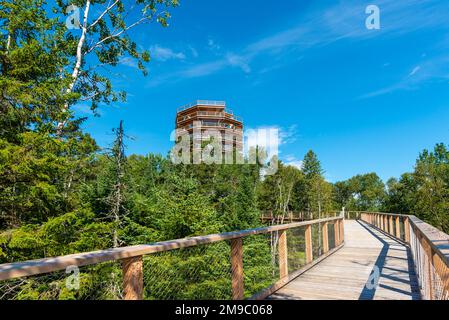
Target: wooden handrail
[(131, 257), (438, 240), (429, 247)]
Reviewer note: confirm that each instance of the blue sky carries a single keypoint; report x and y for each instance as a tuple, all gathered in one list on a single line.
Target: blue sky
[(363, 100)]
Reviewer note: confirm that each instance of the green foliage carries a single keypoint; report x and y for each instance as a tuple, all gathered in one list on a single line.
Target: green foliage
[(189, 273), (33, 52), (298, 190), (259, 270), (39, 175), (425, 192), (361, 192)]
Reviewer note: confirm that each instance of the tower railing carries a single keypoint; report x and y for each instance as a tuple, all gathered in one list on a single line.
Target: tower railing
[(211, 103)]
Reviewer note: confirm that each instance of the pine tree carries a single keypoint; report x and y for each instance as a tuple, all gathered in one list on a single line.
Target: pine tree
[(318, 190), (116, 198)]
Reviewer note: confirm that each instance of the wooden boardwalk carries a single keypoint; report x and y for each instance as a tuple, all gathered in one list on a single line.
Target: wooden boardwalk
[(351, 272)]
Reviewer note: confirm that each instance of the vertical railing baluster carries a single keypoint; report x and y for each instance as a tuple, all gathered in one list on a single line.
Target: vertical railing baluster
[(132, 269), (337, 233), (398, 228), (309, 252), (283, 254), (407, 230), (391, 228), (430, 254), (237, 269), (325, 237), (342, 231)]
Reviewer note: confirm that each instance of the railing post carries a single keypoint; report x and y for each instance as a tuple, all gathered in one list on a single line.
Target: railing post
[(325, 238), (407, 230), (309, 252), (427, 273), (132, 269), (431, 267), (443, 272), (342, 231), (237, 269), (398, 228), (337, 233), (391, 229), (381, 222), (283, 254)]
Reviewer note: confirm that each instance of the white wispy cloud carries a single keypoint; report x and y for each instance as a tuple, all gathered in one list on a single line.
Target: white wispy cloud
[(289, 134), (164, 54), (291, 160), (271, 139), (194, 52), (129, 62), (238, 61), (415, 70), (213, 45), (346, 20), (434, 69)]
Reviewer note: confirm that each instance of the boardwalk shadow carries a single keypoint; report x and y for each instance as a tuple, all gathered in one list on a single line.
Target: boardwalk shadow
[(372, 284)]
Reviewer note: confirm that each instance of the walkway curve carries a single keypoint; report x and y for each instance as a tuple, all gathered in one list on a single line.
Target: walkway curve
[(370, 266)]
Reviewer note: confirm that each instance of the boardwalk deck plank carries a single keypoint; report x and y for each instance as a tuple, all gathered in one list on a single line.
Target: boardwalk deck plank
[(344, 274)]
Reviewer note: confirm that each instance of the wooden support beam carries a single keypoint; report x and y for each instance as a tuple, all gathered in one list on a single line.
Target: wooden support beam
[(309, 251), (430, 266), (342, 232), (391, 228), (283, 254), (237, 269), (132, 269), (442, 270), (427, 276), (337, 233), (325, 237), (407, 230), (398, 228)]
